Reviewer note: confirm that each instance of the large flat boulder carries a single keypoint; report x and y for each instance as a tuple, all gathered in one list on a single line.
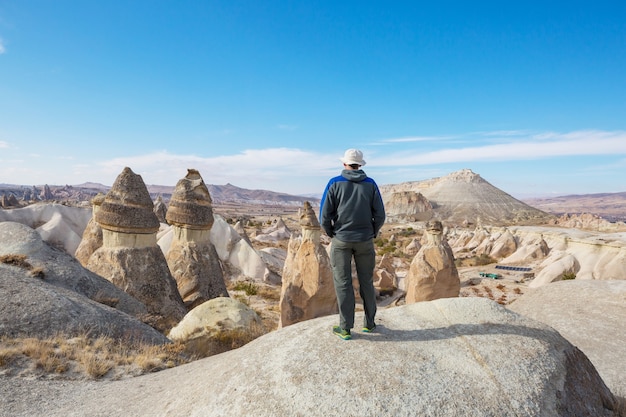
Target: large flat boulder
[(591, 315), (448, 357)]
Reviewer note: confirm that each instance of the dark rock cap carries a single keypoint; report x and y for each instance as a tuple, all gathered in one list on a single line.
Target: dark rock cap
[(127, 207), (190, 205)]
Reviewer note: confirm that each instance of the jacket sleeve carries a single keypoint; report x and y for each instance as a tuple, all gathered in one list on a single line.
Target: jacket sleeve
[(378, 211), (327, 211)]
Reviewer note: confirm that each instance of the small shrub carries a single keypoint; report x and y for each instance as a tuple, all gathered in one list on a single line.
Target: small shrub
[(484, 259), (250, 288), (568, 276)]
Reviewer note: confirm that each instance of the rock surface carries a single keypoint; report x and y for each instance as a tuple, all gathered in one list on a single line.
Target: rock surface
[(449, 357), (59, 225), (408, 205), (591, 315), (64, 298), (62, 270)]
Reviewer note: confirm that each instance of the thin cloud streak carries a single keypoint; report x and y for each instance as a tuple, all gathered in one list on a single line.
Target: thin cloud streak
[(3, 49), (417, 139), (537, 147)]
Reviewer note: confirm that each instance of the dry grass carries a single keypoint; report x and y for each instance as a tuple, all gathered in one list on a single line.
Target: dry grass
[(81, 357), (21, 262)]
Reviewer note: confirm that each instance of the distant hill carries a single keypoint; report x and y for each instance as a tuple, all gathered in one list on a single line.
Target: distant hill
[(220, 194), (610, 206), (464, 197)]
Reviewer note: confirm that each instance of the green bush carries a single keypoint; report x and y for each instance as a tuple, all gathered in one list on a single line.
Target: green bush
[(569, 275), (250, 288)]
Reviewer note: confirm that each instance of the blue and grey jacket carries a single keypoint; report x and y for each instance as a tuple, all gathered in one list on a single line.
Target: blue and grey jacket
[(352, 209)]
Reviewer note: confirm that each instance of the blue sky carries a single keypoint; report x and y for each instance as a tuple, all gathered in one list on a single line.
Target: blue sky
[(268, 94)]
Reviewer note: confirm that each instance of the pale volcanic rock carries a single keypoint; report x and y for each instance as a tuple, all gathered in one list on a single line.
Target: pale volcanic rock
[(92, 235), (129, 256), (432, 273), (448, 357), (554, 267), (160, 209), (191, 257), (589, 314), (238, 253), (278, 231), (385, 275), (408, 205), (203, 328), (61, 226), (241, 231), (238, 257), (504, 245), (60, 269), (412, 247), (528, 252), (307, 281)]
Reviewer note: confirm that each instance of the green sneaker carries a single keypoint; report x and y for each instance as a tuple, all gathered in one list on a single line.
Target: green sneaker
[(342, 333), (368, 329)]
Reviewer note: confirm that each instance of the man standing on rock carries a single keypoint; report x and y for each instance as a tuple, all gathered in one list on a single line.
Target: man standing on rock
[(352, 213)]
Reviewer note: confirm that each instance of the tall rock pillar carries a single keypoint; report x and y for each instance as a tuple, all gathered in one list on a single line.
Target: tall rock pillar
[(129, 256), (307, 282), (192, 257), (432, 273)]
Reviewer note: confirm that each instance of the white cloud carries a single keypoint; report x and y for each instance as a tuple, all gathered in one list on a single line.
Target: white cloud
[(286, 127), (4, 145), (2, 47), (273, 168)]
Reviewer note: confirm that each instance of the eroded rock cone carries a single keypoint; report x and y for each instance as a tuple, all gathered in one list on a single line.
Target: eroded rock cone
[(129, 256), (432, 273), (192, 257), (307, 282)]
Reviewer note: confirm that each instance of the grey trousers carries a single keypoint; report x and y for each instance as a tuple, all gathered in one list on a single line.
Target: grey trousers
[(341, 254)]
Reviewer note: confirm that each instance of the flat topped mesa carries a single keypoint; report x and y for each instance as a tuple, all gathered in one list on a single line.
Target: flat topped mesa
[(190, 205), (127, 207)]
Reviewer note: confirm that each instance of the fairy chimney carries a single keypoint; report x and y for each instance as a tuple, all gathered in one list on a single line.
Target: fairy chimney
[(192, 257), (129, 256), (432, 273), (307, 282)]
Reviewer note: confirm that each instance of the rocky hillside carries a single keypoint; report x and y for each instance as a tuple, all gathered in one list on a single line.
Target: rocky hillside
[(464, 197), (16, 195), (609, 206)]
